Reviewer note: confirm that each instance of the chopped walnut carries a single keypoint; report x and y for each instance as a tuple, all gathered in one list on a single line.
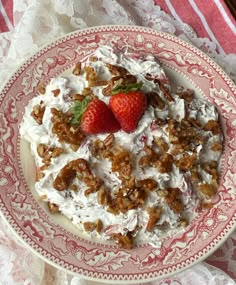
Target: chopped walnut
[(162, 192), (148, 184), (93, 182), (125, 80), (64, 178), (164, 90), (99, 226), (78, 97), (129, 183), (116, 70), (107, 91), (183, 222), (180, 132), (74, 147), (39, 175), (56, 92), (64, 130), (206, 205), (97, 147), (207, 190), (154, 216), (89, 191), (92, 77), (102, 149), (145, 161), (103, 196), (74, 187), (162, 145), (53, 208), (178, 149), (124, 204), (42, 149), (113, 208), (67, 174), (121, 160), (159, 122), (173, 200), (47, 153), (87, 91), (38, 112), (125, 171), (186, 162), (211, 168), (56, 151), (212, 126), (150, 158), (124, 241), (126, 199), (184, 136), (93, 58), (164, 163), (77, 69), (93, 226), (98, 82), (193, 122), (195, 176), (216, 146), (109, 141), (41, 88), (155, 100), (89, 226), (91, 74), (118, 80), (148, 150)]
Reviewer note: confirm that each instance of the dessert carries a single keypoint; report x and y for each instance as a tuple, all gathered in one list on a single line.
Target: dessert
[(121, 152)]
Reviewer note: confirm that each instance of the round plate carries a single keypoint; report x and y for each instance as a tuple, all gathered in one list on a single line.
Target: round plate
[(52, 236)]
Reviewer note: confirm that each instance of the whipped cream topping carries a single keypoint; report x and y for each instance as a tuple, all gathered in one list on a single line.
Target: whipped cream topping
[(80, 208)]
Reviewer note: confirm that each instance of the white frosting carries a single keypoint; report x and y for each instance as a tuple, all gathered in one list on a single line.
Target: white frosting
[(76, 205)]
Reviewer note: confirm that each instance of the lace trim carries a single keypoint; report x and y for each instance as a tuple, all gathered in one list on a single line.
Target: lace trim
[(52, 19)]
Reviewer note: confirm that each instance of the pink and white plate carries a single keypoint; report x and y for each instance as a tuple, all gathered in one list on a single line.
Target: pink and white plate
[(53, 237)]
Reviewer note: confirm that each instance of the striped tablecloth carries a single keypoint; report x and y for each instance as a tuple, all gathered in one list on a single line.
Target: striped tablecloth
[(209, 18), (6, 16)]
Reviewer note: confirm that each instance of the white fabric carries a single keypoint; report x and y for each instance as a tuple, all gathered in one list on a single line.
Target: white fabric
[(19, 266), (39, 22)]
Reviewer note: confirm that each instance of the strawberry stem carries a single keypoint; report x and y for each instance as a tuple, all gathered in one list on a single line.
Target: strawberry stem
[(78, 109), (127, 88)]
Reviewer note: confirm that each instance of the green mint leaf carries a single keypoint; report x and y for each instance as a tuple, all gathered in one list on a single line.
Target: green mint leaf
[(127, 88), (78, 109)]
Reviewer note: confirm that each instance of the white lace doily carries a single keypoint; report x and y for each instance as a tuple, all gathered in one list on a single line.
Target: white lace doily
[(19, 266), (36, 24)]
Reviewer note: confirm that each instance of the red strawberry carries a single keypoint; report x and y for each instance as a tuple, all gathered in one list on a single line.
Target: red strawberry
[(128, 108), (98, 119)]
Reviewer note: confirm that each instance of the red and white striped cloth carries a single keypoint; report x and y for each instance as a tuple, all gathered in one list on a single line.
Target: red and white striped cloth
[(6, 15), (209, 18)]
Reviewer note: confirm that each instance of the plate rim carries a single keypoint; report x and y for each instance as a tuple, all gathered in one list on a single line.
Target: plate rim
[(57, 40), (130, 28)]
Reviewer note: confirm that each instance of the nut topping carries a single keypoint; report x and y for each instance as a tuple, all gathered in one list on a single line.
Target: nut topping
[(147, 179)]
